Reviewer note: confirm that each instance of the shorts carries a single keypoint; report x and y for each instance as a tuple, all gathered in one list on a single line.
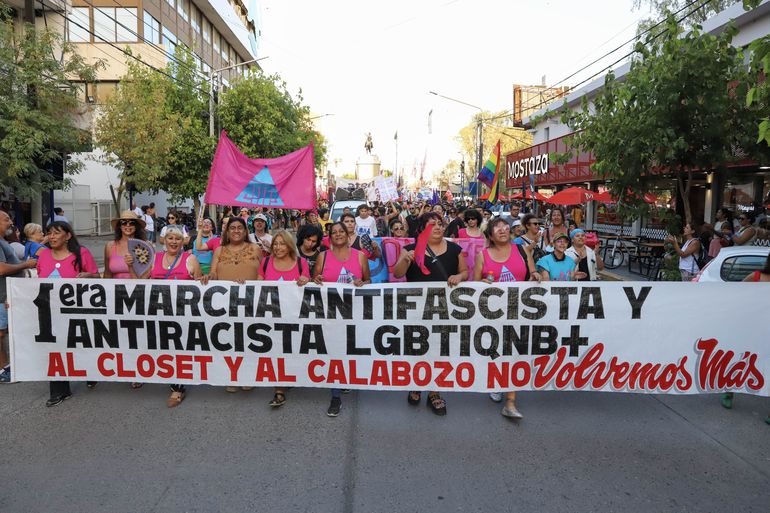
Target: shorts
[(3, 318)]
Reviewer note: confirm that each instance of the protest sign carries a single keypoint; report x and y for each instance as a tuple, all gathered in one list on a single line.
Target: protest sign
[(613, 337), (386, 188)]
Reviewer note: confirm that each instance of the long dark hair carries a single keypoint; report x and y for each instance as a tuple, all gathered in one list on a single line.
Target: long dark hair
[(235, 219), (309, 230), (138, 232), (73, 246)]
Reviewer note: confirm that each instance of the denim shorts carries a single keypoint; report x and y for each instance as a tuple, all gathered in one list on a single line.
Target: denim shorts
[(3, 318)]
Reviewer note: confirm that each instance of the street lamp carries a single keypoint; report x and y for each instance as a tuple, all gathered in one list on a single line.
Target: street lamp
[(479, 131), (212, 88)]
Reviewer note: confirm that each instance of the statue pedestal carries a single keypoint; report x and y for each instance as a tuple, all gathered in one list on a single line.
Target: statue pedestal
[(367, 167)]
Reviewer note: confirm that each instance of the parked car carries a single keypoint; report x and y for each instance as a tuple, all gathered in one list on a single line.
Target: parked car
[(734, 264), (339, 206)]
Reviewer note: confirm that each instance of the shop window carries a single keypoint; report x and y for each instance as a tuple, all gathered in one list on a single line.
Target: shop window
[(738, 267), (151, 29), (739, 195), (79, 25)]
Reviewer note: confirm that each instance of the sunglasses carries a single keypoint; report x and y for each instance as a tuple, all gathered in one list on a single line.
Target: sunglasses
[(171, 217), (397, 228), (535, 223), (126, 222)]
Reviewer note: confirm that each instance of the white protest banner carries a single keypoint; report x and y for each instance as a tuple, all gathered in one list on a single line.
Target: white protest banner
[(622, 337), (386, 187)]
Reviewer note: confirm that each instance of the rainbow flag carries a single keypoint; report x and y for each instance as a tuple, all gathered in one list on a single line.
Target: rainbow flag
[(490, 174)]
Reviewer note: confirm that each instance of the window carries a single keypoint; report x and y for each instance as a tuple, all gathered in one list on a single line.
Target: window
[(738, 267), (196, 20), (233, 57), (104, 90), (224, 49), (183, 8), (79, 33), (215, 38), (171, 3), (205, 68), (115, 25), (151, 29), (104, 24), (206, 30), (169, 41), (125, 21)]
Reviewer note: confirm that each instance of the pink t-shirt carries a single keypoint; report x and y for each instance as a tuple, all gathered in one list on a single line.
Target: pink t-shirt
[(341, 272), (214, 243), (117, 264), (49, 267), (179, 272), (462, 233), (270, 273), (513, 269)]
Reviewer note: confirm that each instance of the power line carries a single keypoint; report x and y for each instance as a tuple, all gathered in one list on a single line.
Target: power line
[(122, 50), (168, 55), (650, 29)]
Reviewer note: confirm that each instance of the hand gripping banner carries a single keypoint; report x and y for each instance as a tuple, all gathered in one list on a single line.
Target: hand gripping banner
[(610, 337)]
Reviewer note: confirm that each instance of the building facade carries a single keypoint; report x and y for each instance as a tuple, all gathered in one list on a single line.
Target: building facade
[(220, 33), (742, 187)]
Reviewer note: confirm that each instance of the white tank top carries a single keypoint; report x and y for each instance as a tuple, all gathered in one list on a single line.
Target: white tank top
[(688, 263)]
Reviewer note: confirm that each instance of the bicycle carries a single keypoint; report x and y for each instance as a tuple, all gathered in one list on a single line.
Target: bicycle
[(615, 252)]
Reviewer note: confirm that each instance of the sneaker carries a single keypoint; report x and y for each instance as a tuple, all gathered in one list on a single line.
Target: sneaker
[(334, 407), (511, 412), (5, 375), (496, 396), (53, 401)]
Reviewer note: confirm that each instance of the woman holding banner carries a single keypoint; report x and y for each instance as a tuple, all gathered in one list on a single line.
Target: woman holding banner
[(284, 264), (236, 259), (502, 261), (588, 261), (442, 261), (174, 264), (127, 226), (341, 264), (67, 259)]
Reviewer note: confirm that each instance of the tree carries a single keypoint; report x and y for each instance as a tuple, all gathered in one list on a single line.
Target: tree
[(495, 128), (138, 131), (758, 97), (691, 13), (189, 163), (679, 109), (265, 121), (39, 107)]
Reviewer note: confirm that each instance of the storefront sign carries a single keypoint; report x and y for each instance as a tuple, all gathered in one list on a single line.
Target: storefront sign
[(536, 165), (611, 337)]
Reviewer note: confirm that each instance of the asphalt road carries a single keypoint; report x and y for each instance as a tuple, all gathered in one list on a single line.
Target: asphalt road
[(113, 449)]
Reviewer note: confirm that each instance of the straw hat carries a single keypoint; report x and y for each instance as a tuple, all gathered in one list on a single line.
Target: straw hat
[(128, 215)]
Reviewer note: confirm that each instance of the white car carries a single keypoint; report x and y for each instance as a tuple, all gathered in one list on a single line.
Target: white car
[(734, 264), (339, 206)]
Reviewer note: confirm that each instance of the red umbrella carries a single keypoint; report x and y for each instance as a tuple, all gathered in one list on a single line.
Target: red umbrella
[(538, 196), (604, 197), (572, 196), (501, 197)]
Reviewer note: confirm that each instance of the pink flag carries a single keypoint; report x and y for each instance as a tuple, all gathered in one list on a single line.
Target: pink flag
[(420, 247), (282, 182)]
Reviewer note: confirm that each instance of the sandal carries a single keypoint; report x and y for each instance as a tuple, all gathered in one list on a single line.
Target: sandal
[(278, 400), (437, 404), (136, 386), (413, 398), (231, 390), (175, 399)]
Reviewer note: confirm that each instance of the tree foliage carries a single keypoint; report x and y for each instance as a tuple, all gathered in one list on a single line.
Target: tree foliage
[(679, 109), (265, 121), (495, 128), (691, 13), (758, 97), (39, 106), (137, 130)]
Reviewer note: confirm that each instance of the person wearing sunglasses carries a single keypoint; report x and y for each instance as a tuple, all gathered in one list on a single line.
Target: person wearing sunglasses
[(127, 226), (746, 234), (532, 236), (398, 229), (173, 219)]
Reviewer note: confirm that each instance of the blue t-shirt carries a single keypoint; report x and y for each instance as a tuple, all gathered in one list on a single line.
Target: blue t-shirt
[(31, 248), (558, 270), (204, 257)]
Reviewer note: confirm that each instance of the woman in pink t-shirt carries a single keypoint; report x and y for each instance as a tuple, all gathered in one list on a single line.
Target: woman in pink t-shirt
[(472, 228), (341, 264), (66, 258), (283, 263), (173, 264), (502, 261)]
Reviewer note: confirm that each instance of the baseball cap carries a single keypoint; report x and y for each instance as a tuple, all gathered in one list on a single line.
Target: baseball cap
[(261, 217), (560, 235)]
